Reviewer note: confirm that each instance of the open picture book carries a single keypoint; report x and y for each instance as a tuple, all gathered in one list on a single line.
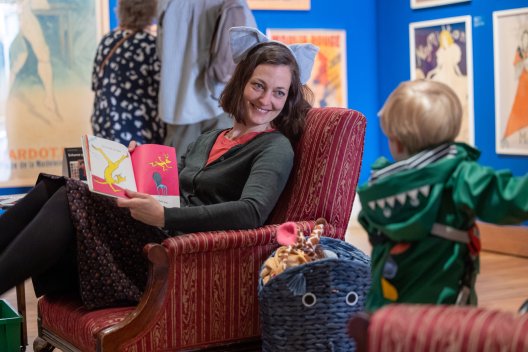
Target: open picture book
[(150, 168)]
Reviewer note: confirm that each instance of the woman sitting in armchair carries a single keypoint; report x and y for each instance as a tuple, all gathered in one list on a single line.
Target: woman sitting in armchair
[(67, 238)]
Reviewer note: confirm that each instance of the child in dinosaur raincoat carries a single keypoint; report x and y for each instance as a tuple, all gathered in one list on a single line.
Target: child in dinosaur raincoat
[(420, 210)]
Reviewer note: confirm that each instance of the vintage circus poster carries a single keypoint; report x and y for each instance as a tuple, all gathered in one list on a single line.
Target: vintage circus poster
[(46, 60), (441, 50), (510, 41), (328, 80)]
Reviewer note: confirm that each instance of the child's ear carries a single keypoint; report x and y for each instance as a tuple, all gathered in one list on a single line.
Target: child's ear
[(399, 146), (397, 149)]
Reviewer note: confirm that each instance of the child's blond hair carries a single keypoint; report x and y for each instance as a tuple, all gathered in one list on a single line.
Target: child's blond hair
[(421, 114)]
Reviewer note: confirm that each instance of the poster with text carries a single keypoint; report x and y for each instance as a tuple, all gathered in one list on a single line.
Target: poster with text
[(279, 4), (328, 80), (510, 44), (441, 50), (418, 4), (46, 100)]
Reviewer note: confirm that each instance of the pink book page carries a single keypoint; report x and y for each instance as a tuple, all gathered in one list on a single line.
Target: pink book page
[(156, 172)]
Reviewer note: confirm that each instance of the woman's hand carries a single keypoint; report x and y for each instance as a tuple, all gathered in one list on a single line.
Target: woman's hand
[(143, 208)]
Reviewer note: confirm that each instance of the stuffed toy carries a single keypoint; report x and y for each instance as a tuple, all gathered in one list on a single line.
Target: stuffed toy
[(295, 249)]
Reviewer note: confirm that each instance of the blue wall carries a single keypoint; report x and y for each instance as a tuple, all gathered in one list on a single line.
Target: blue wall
[(358, 18), (393, 18), (377, 34)]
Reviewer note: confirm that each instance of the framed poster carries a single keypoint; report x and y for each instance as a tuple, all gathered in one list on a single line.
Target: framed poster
[(279, 4), (510, 45), (46, 100), (418, 4), (328, 81), (441, 50)]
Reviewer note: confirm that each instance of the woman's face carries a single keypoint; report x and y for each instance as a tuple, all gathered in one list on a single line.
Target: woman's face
[(265, 95)]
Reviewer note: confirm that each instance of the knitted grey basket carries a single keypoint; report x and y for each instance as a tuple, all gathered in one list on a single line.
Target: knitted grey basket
[(307, 307)]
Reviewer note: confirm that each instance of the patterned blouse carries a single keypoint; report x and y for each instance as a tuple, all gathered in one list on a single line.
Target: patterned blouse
[(126, 88)]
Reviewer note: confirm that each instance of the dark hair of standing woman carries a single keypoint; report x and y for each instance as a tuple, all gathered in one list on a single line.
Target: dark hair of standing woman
[(136, 14)]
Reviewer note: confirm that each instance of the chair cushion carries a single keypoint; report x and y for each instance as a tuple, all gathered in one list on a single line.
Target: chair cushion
[(68, 319)]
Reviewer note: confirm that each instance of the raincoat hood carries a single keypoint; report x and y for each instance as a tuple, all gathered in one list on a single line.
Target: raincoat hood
[(405, 205)]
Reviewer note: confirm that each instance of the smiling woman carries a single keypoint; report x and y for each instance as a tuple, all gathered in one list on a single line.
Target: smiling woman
[(273, 76), (225, 184), (265, 95)]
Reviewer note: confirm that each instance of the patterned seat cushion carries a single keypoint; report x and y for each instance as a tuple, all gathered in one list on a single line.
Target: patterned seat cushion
[(67, 318)]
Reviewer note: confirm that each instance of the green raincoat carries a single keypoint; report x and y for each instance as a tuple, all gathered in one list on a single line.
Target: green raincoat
[(405, 202)]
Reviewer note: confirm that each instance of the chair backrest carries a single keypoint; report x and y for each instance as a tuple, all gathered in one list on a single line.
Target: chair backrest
[(325, 173), (423, 328)]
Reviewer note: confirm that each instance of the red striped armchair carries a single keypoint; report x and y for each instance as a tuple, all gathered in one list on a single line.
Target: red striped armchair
[(202, 289), (431, 328)]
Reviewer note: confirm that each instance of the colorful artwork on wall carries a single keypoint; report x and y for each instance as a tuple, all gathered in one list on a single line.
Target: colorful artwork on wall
[(279, 4), (510, 42), (441, 50), (418, 4), (329, 78), (47, 52)]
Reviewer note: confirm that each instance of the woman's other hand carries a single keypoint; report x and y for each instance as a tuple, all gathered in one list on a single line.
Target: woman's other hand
[(144, 208)]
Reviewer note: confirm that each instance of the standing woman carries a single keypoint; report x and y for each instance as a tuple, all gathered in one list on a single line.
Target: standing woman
[(126, 77)]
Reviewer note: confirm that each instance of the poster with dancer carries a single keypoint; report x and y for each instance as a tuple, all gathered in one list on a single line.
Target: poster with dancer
[(279, 4), (441, 50), (47, 51), (328, 81), (510, 44)]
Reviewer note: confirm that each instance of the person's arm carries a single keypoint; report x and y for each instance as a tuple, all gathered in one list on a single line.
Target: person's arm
[(496, 196), (96, 63), (152, 76), (268, 176)]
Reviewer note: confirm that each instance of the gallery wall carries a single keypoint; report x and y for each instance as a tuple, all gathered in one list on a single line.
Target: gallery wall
[(393, 18), (377, 52), (358, 19)]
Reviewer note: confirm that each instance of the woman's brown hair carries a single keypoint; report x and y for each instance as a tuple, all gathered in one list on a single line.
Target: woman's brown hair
[(136, 14), (291, 119)]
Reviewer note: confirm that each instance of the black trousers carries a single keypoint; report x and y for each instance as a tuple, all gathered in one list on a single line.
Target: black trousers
[(37, 240)]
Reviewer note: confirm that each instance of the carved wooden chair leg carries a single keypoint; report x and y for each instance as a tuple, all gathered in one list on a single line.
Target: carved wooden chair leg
[(21, 307), (358, 330), (41, 345)]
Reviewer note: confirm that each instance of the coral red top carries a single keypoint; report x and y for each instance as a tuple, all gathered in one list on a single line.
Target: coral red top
[(223, 144)]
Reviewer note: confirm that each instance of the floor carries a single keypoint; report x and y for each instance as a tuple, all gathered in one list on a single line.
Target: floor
[(502, 284)]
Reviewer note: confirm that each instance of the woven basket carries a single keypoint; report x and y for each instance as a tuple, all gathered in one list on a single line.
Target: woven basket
[(307, 307)]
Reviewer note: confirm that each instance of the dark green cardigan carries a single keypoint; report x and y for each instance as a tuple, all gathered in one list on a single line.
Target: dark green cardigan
[(237, 191)]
